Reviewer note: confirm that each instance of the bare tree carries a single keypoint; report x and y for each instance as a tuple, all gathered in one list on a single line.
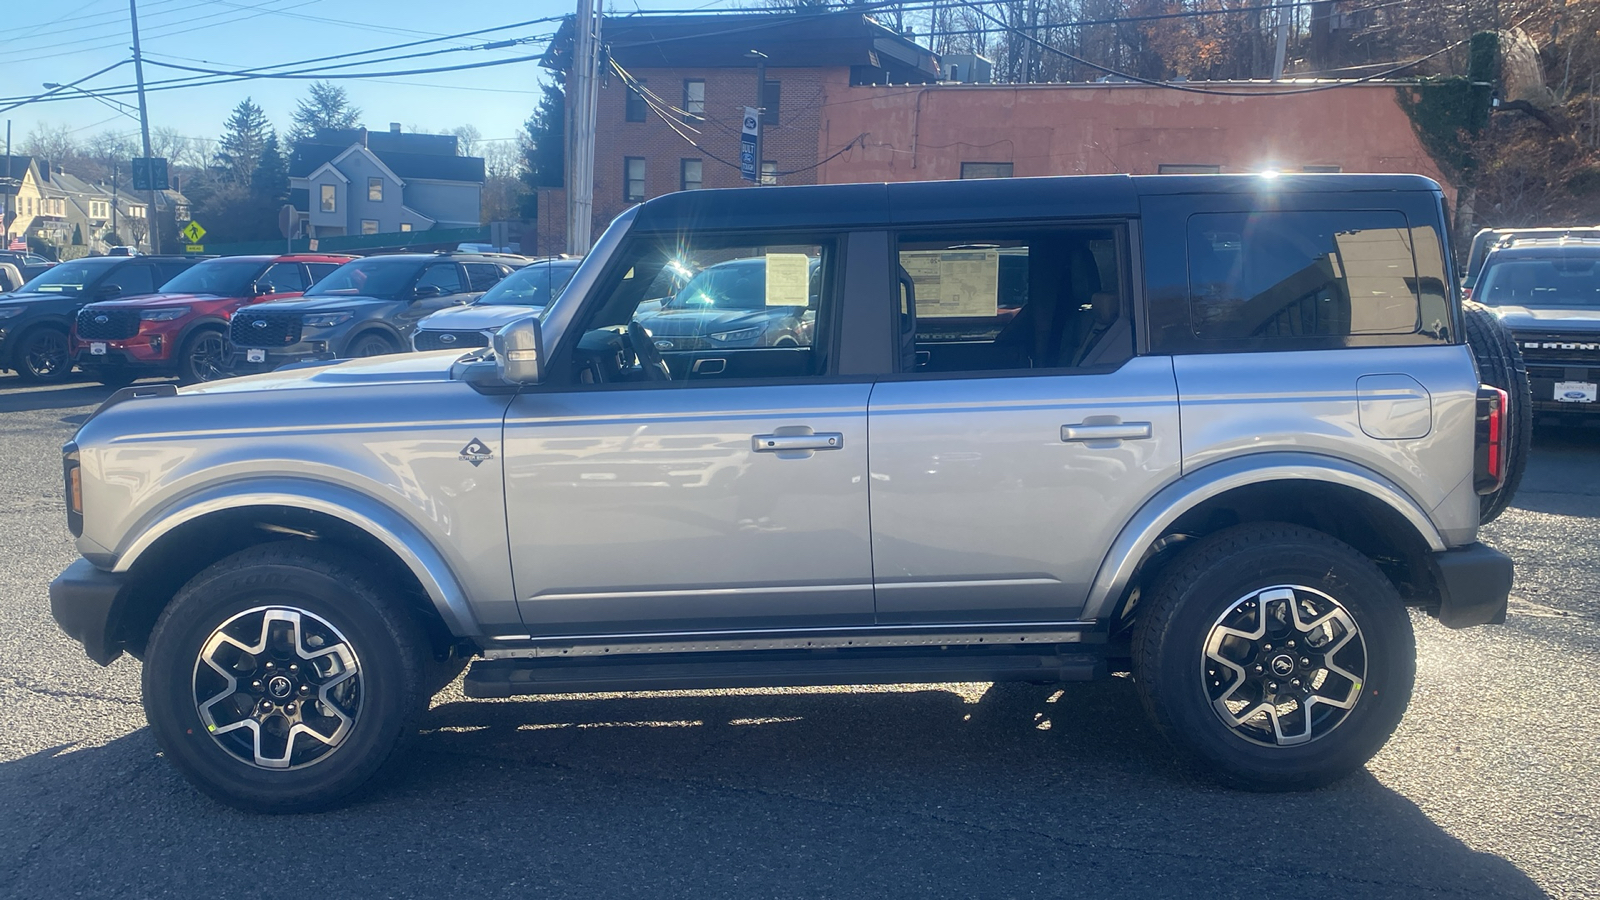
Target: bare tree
[(52, 142), (468, 139)]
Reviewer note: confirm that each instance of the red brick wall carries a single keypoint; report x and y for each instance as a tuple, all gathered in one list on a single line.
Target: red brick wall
[(792, 143)]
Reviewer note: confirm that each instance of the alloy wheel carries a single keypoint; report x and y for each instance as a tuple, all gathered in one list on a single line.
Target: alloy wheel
[(206, 357), (278, 687), (1284, 665), (45, 354)]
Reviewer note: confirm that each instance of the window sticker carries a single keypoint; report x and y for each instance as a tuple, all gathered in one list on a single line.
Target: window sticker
[(954, 283), (788, 279)]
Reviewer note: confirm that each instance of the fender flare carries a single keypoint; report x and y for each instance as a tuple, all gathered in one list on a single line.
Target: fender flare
[(215, 323), (379, 521), (376, 326), (1215, 479)]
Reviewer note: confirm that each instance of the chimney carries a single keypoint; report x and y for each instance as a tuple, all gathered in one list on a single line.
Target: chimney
[(394, 127)]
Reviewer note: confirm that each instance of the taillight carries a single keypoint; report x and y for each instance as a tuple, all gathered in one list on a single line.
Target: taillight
[(1489, 461)]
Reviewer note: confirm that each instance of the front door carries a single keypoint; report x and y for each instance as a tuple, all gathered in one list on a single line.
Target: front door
[(1023, 434), (640, 501)]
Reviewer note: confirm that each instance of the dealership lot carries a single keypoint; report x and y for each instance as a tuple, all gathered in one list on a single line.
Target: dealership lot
[(1486, 791)]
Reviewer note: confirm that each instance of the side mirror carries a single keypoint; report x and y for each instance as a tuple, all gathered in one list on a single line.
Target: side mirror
[(519, 351), (423, 291), (263, 288), (107, 291)]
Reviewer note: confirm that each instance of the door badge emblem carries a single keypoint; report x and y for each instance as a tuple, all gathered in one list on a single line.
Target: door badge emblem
[(476, 452)]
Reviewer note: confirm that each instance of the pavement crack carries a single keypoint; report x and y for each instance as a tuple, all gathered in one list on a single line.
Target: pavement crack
[(58, 693)]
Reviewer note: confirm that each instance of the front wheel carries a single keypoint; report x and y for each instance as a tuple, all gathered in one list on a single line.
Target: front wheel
[(1277, 656), (204, 357), (282, 678), (42, 356), (371, 345)]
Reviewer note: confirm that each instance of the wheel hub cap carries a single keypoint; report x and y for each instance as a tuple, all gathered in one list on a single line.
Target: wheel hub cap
[(278, 687), (1284, 665)]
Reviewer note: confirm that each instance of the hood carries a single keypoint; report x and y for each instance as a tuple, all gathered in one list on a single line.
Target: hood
[(696, 322), (36, 296), (1572, 319), (326, 303), (149, 300), (400, 368), (478, 317)]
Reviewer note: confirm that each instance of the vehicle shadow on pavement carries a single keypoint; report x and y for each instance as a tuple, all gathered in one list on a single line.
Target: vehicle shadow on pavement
[(66, 396), (1017, 791)]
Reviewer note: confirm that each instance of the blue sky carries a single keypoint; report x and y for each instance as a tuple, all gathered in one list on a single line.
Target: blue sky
[(64, 40)]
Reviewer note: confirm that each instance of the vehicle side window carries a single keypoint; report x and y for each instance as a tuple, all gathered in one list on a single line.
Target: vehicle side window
[(710, 308), (442, 275), (166, 271), (134, 279), (1288, 275), (985, 299), (284, 278), (319, 271), (482, 276)]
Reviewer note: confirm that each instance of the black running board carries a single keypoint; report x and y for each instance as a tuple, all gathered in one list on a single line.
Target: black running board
[(511, 677)]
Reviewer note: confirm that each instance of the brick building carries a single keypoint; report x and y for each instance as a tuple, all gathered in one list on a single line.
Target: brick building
[(671, 118)]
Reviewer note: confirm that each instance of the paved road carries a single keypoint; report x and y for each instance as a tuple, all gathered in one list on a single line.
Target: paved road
[(1488, 789)]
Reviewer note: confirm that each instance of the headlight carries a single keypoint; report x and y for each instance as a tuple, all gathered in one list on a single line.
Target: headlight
[(743, 334), (324, 320), (164, 315), (7, 312)]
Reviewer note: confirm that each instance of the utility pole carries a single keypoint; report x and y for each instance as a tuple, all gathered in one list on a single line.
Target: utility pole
[(5, 211), (151, 218), (581, 108)]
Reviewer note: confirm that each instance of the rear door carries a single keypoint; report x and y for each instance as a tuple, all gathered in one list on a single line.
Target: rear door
[(1022, 432)]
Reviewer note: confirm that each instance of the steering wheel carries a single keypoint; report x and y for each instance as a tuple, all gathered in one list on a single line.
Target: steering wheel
[(644, 350)]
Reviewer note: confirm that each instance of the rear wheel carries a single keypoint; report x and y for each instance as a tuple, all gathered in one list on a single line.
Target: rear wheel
[(1275, 655), (41, 356), (1500, 364), (371, 345), (203, 357), (282, 678)]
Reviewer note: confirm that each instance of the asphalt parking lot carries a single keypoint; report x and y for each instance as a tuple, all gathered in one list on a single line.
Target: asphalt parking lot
[(1487, 790)]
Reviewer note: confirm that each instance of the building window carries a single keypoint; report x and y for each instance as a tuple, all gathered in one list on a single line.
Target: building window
[(1185, 169), (690, 174), (329, 202), (694, 99), (1326, 170), (633, 179), (369, 226), (985, 170), (771, 96), (405, 226), (769, 171), (375, 190), (635, 109)]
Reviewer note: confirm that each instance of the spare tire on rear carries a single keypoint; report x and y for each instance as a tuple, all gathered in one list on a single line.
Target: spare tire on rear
[(1500, 364)]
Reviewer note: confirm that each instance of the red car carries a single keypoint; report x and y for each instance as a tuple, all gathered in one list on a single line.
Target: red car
[(183, 329)]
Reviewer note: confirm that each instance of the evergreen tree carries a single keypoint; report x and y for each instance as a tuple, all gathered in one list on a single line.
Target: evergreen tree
[(547, 135), (327, 107), (269, 183), (243, 139)]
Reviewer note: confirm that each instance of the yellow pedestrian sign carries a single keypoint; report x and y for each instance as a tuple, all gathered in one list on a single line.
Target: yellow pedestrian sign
[(193, 232)]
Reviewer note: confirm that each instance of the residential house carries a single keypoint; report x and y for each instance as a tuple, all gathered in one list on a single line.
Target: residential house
[(32, 208), (360, 182)]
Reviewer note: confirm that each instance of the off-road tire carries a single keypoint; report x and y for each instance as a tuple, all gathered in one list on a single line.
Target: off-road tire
[(329, 584), (1201, 585), (1500, 364)]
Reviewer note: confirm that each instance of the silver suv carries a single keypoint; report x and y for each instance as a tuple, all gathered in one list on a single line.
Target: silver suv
[(1216, 431)]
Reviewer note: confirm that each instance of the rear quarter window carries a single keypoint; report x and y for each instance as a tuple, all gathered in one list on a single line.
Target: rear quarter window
[(1285, 275)]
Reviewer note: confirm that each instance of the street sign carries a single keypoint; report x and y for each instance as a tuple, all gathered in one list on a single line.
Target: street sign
[(749, 166), (150, 174), (288, 221), (195, 248), (193, 232)]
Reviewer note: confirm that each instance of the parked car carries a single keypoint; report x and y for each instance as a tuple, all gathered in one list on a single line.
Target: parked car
[(36, 319), (1547, 292), (527, 290), (1227, 435), (727, 305), (1488, 238), (367, 307), (183, 329), (30, 264), (10, 278)]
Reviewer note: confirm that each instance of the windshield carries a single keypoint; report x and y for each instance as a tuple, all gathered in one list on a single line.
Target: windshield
[(223, 277), (381, 278), (68, 277), (736, 285), (1556, 281), (534, 285)]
